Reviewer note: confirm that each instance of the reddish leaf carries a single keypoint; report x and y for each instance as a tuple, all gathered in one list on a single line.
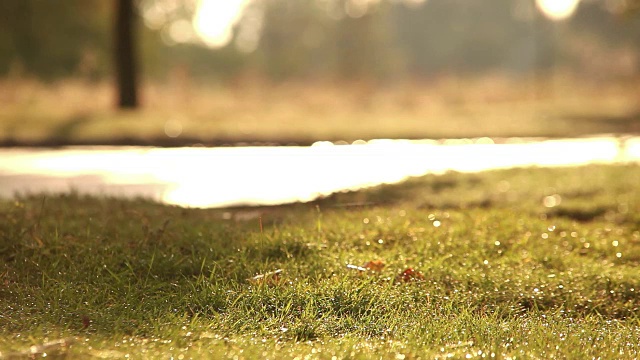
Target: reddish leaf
[(409, 275), (376, 265)]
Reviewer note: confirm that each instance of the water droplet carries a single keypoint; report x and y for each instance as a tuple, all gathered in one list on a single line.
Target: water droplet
[(552, 200), (551, 227), (365, 220), (436, 223), (614, 243), (618, 255), (497, 243), (173, 128)]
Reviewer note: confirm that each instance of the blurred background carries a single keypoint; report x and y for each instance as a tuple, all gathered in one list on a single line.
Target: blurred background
[(218, 72)]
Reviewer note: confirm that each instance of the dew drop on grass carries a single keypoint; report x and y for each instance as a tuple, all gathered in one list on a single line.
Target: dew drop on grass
[(552, 200), (173, 128)]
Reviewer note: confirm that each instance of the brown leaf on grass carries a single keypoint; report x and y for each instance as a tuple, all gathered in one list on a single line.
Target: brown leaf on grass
[(270, 278), (86, 321), (375, 265), (410, 275)]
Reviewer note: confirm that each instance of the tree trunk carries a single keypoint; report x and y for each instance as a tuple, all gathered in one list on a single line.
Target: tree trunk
[(125, 62)]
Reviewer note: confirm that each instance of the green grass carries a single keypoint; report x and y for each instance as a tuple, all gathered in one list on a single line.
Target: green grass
[(504, 275)]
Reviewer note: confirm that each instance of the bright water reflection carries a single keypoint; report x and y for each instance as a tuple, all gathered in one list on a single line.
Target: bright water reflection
[(214, 177)]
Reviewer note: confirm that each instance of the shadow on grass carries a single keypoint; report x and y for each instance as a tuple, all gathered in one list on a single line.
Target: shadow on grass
[(580, 215), (65, 131), (625, 123), (431, 191)]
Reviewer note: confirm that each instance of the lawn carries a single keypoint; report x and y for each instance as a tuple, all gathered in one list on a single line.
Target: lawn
[(76, 112), (521, 263)]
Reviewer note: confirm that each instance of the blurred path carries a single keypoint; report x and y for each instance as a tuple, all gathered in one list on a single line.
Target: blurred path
[(217, 177)]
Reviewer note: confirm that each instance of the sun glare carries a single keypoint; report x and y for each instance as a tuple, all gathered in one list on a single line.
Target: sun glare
[(557, 9), (214, 177), (214, 20)]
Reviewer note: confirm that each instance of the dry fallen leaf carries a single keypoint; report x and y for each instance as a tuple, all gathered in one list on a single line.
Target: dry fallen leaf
[(409, 275), (375, 265)]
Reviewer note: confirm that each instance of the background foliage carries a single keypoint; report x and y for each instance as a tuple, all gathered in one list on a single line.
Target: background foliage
[(328, 39)]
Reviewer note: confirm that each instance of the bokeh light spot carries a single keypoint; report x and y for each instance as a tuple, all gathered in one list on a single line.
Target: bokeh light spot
[(557, 9)]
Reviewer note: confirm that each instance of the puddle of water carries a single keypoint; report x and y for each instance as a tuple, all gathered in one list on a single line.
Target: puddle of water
[(217, 177)]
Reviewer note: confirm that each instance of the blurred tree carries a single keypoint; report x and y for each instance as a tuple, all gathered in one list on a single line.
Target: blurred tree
[(52, 39), (314, 39), (291, 32), (365, 43), (632, 6), (458, 36), (325, 39), (125, 59)]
